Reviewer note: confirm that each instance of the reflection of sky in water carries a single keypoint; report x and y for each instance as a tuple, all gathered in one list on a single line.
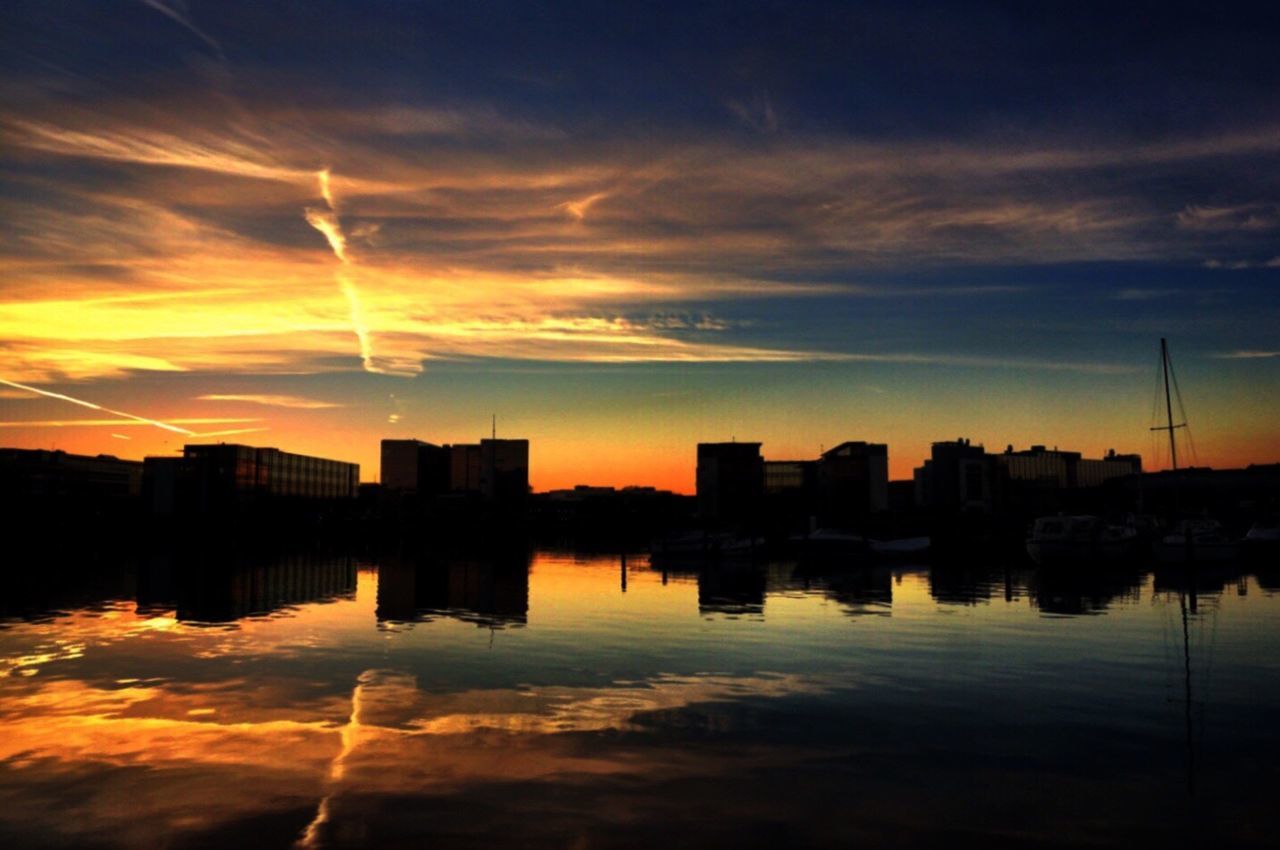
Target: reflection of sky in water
[(479, 700)]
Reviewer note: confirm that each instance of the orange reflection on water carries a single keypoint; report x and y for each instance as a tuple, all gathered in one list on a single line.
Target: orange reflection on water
[(212, 742)]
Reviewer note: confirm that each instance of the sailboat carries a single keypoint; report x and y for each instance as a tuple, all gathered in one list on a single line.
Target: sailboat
[(1192, 540)]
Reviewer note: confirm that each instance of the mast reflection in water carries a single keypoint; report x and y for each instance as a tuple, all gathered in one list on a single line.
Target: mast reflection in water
[(552, 699)]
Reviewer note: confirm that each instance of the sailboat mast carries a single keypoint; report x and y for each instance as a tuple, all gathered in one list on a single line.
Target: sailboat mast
[(1168, 405)]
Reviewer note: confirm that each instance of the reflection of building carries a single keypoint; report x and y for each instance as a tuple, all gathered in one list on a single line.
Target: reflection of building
[(40, 474), (218, 586), (217, 477), (412, 466), (730, 480), (868, 590), (731, 589), (491, 592)]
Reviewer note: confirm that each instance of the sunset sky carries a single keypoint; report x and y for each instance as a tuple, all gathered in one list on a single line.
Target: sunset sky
[(627, 228)]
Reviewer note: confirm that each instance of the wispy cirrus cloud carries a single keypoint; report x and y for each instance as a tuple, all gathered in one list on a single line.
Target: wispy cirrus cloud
[(1247, 354), (291, 401), (121, 423), (1246, 217), (517, 242)]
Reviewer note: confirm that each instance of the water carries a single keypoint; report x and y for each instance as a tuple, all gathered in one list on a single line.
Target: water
[(571, 701)]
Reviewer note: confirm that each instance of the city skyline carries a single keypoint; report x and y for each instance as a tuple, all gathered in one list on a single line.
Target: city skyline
[(625, 232)]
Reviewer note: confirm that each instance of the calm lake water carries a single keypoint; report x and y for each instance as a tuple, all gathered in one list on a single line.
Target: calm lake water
[(561, 700)]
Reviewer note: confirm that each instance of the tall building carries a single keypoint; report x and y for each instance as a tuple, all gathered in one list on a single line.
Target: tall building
[(853, 480), (464, 468), (504, 469), (790, 476), (495, 469), (412, 466), (957, 476), (730, 481)]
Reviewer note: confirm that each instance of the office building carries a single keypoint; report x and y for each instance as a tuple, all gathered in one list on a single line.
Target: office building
[(790, 476), (495, 469), (504, 469), (958, 476), (217, 477), (412, 466), (464, 468), (41, 474), (730, 481), (853, 480), (1052, 468)]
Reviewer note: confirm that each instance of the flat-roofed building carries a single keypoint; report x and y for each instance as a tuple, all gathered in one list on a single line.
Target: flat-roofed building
[(504, 469), (730, 481), (790, 476), (412, 466), (222, 476), (464, 468), (853, 480), (1093, 473)]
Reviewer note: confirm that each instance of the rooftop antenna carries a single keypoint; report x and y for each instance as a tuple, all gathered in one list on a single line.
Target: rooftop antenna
[(495, 426)]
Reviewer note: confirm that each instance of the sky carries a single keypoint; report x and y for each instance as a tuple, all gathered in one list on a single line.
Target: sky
[(623, 229)]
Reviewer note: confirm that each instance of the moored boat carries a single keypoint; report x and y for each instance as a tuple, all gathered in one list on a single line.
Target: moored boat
[(1198, 541), (1082, 540)]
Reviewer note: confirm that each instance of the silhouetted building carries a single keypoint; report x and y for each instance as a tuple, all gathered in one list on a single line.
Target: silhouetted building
[(902, 496), (412, 466), (1065, 470), (1094, 473), (1234, 496), (853, 481), (464, 468), (495, 469), (958, 476), (790, 476), (730, 480), (217, 477), (504, 469), (41, 474), (587, 511)]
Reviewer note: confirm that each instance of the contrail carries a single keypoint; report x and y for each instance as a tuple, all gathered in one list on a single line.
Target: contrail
[(185, 22), (337, 768), (326, 221), (177, 429)]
